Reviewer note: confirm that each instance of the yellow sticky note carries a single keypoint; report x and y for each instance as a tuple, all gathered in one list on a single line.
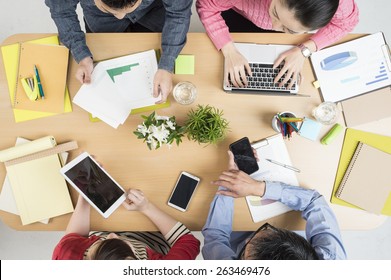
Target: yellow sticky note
[(184, 64), (316, 84)]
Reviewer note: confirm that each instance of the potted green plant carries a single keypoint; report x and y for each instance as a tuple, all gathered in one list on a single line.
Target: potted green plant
[(159, 130), (206, 125)]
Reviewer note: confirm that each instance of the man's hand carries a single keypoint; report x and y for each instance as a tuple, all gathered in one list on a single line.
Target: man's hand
[(162, 84), (238, 183), (83, 73), (235, 65)]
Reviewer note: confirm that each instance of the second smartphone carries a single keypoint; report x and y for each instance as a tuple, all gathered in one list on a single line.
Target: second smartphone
[(183, 191), (244, 155)]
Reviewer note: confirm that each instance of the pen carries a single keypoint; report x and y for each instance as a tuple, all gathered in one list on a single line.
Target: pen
[(39, 83), (284, 165)]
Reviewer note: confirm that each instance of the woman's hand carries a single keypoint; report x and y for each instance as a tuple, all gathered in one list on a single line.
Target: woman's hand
[(135, 201), (235, 66), (293, 61)]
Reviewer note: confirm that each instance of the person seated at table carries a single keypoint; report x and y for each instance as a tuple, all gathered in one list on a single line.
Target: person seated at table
[(269, 243), (170, 17), (173, 242), (332, 19)]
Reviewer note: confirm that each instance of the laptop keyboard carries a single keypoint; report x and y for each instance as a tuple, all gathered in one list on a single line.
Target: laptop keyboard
[(263, 79)]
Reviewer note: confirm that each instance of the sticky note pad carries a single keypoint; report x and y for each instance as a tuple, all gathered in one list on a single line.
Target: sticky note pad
[(184, 64), (310, 129)]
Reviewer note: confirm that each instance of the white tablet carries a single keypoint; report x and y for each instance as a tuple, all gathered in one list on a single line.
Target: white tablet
[(94, 184)]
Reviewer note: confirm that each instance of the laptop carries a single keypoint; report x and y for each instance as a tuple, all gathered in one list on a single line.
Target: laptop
[(261, 58)]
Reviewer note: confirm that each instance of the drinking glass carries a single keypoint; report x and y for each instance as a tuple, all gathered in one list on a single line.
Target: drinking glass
[(326, 113)]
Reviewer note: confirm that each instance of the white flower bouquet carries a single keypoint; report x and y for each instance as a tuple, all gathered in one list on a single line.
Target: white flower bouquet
[(158, 130)]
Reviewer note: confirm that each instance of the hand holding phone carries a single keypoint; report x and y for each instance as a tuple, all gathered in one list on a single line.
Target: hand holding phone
[(183, 191), (244, 155)]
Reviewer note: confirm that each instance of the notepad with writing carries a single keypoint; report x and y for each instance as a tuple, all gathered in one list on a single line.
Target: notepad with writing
[(367, 180), (39, 189)]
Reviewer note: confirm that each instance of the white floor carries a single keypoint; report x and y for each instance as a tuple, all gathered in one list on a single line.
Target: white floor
[(19, 17)]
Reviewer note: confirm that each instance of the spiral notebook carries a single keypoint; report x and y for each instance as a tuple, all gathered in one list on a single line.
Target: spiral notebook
[(52, 62), (367, 180)]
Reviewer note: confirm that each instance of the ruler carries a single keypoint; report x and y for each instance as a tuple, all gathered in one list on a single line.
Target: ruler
[(71, 145)]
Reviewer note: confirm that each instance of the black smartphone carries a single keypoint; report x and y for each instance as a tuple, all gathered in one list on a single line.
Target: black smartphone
[(244, 155)]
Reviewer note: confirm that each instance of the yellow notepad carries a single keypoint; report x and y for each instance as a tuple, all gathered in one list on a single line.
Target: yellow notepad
[(352, 138), (367, 180), (39, 189), (11, 61)]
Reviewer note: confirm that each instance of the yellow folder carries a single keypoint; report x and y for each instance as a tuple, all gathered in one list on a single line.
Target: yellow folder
[(11, 62), (39, 189), (352, 139)]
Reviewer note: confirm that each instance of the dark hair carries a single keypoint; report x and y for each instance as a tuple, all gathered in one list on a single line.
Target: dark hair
[(119, 4), (280, 244), (113, 249), (312, 14)]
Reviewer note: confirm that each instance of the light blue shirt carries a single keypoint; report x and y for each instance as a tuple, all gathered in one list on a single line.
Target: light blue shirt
[(322, 229)]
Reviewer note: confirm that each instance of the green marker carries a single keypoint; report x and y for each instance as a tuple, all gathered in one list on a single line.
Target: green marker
[(332, 134)]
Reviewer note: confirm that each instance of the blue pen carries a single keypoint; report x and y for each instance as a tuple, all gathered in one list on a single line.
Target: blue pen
[(39, 83)]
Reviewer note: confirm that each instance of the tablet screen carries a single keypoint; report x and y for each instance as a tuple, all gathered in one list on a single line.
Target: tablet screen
[(94, 183)]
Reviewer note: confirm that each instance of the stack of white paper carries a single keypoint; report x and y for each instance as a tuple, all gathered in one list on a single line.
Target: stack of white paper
[(118, 86)]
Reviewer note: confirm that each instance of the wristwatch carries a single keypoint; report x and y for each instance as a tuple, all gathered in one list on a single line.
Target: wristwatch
[(304, 50)]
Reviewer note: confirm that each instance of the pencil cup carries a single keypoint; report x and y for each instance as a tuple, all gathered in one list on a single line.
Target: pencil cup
[(286, 114), (185, 93)]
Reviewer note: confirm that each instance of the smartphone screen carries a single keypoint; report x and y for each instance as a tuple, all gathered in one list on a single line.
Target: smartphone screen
[(244, 155), (183, 191)]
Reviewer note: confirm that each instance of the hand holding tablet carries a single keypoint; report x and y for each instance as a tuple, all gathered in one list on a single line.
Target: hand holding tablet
[(96, 186)]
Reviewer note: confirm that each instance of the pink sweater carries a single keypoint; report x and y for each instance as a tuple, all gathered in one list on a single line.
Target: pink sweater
[(344, 20)]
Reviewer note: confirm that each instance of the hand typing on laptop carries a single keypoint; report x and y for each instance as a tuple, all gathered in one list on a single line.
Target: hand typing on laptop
[(293, 61), (235, 66), (249, 68)]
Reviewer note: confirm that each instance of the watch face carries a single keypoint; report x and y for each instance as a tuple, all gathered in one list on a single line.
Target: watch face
[(306, 52)]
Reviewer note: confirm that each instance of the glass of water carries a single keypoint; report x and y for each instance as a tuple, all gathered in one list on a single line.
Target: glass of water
[(326, 113), (185, 93)]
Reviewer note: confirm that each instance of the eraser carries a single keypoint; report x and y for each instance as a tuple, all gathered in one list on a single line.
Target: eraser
[(332, 134)]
